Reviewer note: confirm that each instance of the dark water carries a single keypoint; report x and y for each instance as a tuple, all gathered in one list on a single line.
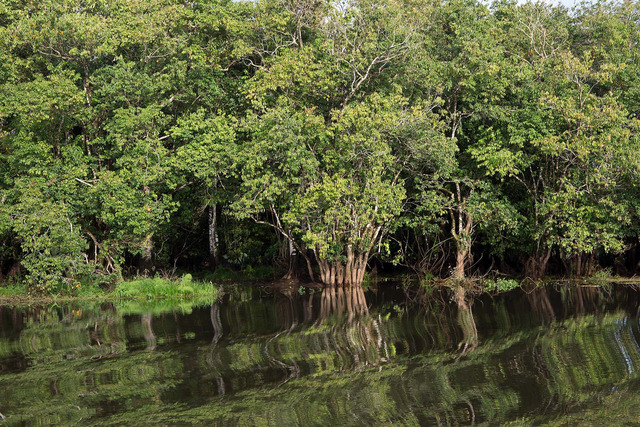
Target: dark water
[(563, 355)]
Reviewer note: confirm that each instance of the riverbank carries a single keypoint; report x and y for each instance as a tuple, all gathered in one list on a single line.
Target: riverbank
[(140, 288), (188, 288)]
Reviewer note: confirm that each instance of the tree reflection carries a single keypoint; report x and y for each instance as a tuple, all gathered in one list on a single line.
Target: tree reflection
[(541, 305), (379, 363), (337, 301), (466, 322), (147, 329), (216, 323)]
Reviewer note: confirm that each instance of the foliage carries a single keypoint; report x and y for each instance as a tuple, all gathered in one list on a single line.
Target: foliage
[(500, 285), (151, 288), (14, 288), (451, 137)]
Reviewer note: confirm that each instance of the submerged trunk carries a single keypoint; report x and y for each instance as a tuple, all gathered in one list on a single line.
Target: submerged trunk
[(582, 264), (536, 265), (214, 243), (337, 274)]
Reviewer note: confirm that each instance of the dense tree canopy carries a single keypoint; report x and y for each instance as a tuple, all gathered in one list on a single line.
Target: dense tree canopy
[(451, 137)]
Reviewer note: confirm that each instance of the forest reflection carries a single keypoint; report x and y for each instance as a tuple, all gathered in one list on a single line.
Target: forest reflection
[(330, 331), (267, 356)]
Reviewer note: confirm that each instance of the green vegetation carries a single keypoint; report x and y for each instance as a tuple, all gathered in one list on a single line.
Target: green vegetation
[(163, 288), (452, 138), (501, 285), (133, 294)]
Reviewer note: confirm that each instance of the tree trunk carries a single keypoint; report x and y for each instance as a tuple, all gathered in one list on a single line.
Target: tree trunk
[(214, 243), (461, 260), (536, 265), (146, 261), (461, 229), (293, 261), (336, 274), (582, 264)]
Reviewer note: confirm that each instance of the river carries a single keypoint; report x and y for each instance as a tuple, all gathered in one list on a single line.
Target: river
[(393, 356)]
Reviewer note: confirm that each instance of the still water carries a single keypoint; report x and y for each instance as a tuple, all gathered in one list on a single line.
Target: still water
[(554, 355)]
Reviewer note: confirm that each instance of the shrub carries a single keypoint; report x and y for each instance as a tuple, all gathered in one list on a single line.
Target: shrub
[(501, 285), (156, 287)]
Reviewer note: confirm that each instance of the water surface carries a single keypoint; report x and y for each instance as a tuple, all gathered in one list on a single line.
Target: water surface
[(264, 357)]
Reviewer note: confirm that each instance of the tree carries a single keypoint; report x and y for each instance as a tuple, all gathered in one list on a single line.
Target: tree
[(566, 144)]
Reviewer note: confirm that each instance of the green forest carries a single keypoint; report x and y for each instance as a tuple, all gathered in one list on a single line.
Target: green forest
[(324, 138)]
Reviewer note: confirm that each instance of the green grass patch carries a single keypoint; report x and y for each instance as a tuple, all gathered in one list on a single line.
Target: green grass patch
[(154, 288), (11, 289), (185, 294)]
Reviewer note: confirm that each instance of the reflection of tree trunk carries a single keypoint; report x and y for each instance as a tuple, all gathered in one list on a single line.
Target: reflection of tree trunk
[(221, 387), (14, 317), (217, 334), (178, 332), (216, 323), (149, 336), (325, 303), (541, 305), (594, 297), (307, 309), (466, 322), (584, 296), (285, 310), (213, 357), (359, 301), (579, 301), (338, 300)]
